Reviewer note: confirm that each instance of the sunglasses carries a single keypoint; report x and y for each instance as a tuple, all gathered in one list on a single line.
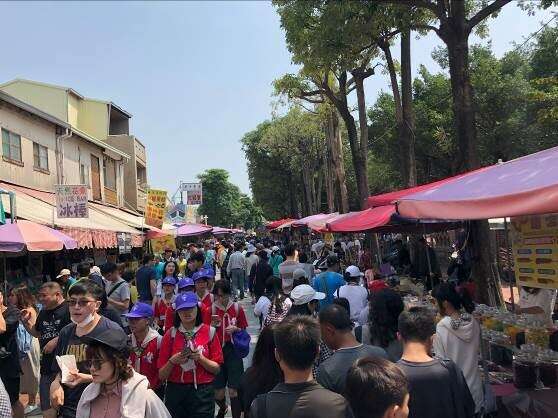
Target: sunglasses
[(80, 302), (95, 363)]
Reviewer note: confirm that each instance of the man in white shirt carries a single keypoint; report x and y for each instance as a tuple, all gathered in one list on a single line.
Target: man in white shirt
[(356, 294), (236, 270), (537, 303)]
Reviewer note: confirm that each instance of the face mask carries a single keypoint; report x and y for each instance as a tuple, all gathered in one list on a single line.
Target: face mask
[(88, 319)]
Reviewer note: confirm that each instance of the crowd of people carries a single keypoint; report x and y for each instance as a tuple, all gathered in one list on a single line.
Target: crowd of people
[(170, 340)]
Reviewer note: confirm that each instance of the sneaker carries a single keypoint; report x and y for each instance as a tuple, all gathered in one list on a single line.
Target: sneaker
[(31, 410)]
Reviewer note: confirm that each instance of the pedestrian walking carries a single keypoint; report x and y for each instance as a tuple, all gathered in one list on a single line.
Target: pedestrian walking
[(146, 280), (46, 326), (297, 341), (10, 369), (228, 317), (356, 294), (252, 260), (305, 301), (264, 373), (165, 302), (261, 272), (377, 388), (329, 281), (118, 290), (381, 327), (116, 390), (185, 284), (84, 301), (236, 270), (336, 332), (189, 359), (437, 387), (275, 259), (458, 336), (28, 348), (201, 283), (145, 345)]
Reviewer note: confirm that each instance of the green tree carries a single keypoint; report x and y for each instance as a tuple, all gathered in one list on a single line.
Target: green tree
[(224, 204)]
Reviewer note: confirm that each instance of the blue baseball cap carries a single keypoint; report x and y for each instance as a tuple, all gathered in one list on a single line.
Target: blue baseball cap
[(140, 310), (185, 300), (185, 282), (203, 274), (169, 280)]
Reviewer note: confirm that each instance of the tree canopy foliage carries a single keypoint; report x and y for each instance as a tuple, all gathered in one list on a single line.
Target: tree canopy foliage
[(224, 204)]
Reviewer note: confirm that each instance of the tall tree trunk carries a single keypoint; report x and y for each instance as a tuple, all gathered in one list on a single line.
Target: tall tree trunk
[(362, 150), (407, 108), (328, 166), (337, 161), (384, 46), (454, 31)]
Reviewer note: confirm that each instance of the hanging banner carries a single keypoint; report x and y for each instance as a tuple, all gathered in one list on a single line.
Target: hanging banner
[(71, 201), (193, 193), (155, 207), (535, 250), (158, 245), (124, 241)]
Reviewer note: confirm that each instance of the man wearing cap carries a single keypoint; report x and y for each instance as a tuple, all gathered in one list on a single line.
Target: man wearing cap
[(201, 279), (186, 284), (66, 280), (329, 281), (168, 255), (275, 259), (356, 294), (145, 345)]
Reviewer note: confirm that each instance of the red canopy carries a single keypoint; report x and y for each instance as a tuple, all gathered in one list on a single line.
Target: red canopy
[(279, 222), (391, 197), (524, 186), (362, 220)]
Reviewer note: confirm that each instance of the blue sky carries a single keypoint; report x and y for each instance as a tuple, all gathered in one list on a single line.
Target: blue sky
[(196, 76)]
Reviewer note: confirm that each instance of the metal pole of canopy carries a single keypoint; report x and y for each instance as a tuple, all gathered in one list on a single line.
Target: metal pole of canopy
[(508, 256)]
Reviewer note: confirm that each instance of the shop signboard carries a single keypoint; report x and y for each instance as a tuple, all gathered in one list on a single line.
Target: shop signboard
[(124, 240), (535, 250), (155, 207), (193, 193), (71, 201), (158, 245)]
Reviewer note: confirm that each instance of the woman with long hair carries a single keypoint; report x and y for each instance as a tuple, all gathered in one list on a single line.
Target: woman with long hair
[(458, 336), (189, 359), (170, 269), (381, 329), (279, 304), (263, 374), (29, 348), (114, 381)]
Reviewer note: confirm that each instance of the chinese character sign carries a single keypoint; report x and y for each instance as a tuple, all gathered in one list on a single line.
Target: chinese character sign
[(71, 201), (124, 240), (193, 193), (535, 250), (155, 207)]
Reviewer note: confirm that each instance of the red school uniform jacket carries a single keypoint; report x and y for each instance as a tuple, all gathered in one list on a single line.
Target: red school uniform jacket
[(174, 342), (160, 312), (233, 313), (207, 300), (144, 357)]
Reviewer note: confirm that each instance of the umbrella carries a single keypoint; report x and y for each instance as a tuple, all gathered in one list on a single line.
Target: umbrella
[(16, 237)]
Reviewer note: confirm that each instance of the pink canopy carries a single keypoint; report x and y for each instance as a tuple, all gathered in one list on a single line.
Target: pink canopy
[(217, 230), (391, 197), (32, 236), (524, 186), (187, 230), (362, 220), (314, 221), (278, 223)]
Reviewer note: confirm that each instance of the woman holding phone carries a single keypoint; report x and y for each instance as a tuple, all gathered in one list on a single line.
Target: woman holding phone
[(189, 358)]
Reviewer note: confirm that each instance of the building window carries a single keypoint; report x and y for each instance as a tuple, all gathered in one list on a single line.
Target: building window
[(11, 145), (84, 174), (109, 171), (40, 156)]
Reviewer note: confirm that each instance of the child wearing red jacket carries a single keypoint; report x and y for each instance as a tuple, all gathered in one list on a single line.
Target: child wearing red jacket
[(201, 281), (146, 343), (162, 304)]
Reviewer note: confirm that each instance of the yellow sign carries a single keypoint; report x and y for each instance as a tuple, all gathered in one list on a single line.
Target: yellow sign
[(155, 207), (158, 245), (535, 250), (328, 238)]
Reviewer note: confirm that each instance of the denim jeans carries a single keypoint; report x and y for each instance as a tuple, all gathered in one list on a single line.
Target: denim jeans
[(237, 281)]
